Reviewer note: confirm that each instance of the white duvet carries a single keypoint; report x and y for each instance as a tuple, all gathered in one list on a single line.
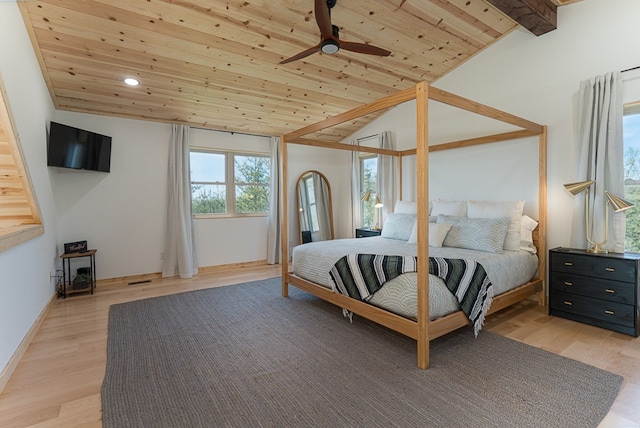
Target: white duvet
[(506, 271)]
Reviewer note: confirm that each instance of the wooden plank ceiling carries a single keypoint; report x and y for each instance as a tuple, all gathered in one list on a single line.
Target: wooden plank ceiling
[(214, 64)]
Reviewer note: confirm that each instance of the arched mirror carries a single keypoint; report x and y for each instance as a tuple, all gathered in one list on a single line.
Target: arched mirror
[(315, 213)]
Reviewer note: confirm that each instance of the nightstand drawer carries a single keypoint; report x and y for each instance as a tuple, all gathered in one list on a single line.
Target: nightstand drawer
[(600, 267), (365, 232), (615, 291), (596, 309)]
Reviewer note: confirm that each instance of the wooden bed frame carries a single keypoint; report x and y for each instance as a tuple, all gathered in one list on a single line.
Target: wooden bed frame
[(422, 330)]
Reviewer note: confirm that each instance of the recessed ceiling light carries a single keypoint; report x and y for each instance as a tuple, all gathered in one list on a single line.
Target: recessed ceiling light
[(131, 81)]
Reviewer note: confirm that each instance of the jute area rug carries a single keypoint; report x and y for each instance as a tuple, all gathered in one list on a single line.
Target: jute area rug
[(243, 356)]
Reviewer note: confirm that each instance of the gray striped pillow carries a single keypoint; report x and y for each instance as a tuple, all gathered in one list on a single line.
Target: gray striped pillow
[(482, 234)]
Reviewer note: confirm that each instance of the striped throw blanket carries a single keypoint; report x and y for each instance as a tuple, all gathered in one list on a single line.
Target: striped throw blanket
[(360, 275)]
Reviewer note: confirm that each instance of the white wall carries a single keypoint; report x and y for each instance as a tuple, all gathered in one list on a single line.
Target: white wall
[(538, 78), (122, 213), (470, 173), (25, 283)]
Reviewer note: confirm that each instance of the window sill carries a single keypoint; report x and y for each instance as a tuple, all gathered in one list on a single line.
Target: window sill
[(210, 216), (16, 235)]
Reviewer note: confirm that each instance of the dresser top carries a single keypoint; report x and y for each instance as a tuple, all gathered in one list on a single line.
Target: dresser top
[(623, 256)]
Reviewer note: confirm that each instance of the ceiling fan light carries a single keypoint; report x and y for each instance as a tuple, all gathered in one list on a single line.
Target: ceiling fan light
[(330, 47)]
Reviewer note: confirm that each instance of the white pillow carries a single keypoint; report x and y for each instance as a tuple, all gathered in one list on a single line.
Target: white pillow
[(437, 233), (398, 226), (528, 225), (447, 207), (511, 209), (406, 207)]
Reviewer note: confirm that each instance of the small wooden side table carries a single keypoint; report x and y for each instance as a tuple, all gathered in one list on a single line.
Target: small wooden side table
[(66, 272)]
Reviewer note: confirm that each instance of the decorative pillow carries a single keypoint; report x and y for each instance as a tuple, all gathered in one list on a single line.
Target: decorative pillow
[(509, 209), (446, 207), (406, 207), (482, 234), (528, 225), (437, 233), (398, 226)]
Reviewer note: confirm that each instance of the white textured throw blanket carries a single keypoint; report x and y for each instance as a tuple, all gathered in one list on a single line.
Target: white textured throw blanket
[(361, 275)]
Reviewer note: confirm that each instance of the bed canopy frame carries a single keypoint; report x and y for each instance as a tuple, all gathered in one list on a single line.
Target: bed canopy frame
[(422, 330)]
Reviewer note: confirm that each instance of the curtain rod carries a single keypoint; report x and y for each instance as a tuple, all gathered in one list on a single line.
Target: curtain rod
[(630, 69), (230, 132)]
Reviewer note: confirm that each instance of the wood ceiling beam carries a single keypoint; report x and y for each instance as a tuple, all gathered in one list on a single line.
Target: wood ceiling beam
[(537, 16)]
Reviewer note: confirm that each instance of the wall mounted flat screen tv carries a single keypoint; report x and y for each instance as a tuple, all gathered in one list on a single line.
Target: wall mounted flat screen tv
[(70, 147)]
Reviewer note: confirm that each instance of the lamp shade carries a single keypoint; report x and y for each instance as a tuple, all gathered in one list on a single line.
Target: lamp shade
[(366, 196), (578, 187), (617, 202), (379, 203)]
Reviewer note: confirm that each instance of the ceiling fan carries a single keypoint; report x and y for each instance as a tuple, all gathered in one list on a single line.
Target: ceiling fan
[(330, 42)]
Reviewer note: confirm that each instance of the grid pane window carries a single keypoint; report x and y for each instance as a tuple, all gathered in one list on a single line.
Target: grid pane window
[(225, 183), (208, 185), (631, 126), (252, 177), (368, 181)]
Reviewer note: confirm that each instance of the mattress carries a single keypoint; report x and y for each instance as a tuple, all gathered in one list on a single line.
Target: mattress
[(314, 260)]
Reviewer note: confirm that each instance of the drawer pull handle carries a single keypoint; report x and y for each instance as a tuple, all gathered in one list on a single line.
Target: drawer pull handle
[(608, 312), (568, 303), (568, 264), (610, 269), (608, 290), (568, 283)]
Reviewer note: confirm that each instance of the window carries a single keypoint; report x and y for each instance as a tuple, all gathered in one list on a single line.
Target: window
[(229, 184), (368, 182), (631, 142)]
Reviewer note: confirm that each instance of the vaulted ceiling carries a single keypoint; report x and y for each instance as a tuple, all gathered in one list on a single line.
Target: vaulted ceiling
[(215, 64)]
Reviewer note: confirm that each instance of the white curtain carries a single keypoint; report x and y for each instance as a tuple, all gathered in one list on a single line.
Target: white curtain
[(386, 182), (273, 231), (356, 220), (600, 158), (179, 248)]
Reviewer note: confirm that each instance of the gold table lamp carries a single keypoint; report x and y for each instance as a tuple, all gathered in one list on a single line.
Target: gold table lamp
[(616, 202)]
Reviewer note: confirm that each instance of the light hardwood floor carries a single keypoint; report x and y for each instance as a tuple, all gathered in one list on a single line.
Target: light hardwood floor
[(57, 382)]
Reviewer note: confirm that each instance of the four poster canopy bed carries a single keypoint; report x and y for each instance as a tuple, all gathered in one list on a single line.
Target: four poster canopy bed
[(330, 269)]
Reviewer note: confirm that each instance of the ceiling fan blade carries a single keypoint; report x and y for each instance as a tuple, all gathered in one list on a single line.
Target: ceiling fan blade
[(323, 18), (301, 55), (363, 48)]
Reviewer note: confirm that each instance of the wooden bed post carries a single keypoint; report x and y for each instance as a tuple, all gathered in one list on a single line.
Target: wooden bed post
[(542, 215), (284, 225), (422, 105)]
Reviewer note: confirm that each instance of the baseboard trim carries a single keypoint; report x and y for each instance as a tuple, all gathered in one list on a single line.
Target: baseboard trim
[(218, 268), (201, 270), (24, 344), (129, 279)]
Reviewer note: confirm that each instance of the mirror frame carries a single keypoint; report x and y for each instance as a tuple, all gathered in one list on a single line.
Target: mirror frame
[(300, 178)]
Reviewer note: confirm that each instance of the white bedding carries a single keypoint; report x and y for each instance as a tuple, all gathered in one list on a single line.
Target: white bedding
[(506, 271)]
